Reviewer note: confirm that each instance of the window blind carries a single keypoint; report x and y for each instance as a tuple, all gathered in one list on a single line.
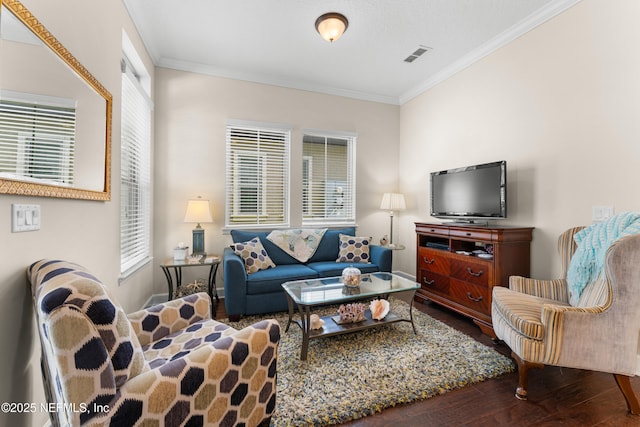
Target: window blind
[(135, 173), (328, 181), (37, 138), (257, 182)]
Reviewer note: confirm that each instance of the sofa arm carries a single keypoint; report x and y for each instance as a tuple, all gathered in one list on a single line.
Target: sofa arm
[(382, 257), (239, 370), (235, 283), (550, 289), (160, 320)]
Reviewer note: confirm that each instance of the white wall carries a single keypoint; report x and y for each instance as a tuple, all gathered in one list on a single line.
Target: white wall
[(560, 104), (81, 231), (191, 113)]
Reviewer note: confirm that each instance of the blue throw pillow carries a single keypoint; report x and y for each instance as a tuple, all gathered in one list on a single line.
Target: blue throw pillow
[(354, 249), (253, 254)]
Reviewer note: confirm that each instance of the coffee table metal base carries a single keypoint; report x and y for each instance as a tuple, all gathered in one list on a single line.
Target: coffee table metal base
[(331, 328)]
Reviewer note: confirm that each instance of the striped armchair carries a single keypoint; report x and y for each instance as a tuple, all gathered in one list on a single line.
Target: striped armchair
[(170, 364), (535, 319)]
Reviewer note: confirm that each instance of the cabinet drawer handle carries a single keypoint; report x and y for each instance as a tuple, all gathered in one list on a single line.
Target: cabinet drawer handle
[(478, 274), (472, 298), (428, 282), (468, 234), (428, 261)]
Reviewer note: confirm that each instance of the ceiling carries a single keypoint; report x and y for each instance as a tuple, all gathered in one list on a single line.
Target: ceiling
[(275, 41)]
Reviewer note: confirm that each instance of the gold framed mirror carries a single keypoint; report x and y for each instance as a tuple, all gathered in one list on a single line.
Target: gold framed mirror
[(55, 116)]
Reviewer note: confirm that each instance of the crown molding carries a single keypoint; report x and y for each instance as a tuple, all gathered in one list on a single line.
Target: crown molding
[(261, 79), (546, 13)]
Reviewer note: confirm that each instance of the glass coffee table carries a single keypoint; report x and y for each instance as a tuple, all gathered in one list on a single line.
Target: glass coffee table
[(306, 294)]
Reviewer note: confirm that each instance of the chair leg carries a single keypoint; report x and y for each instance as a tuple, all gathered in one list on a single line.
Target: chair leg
[(523, 375), (624, 384)]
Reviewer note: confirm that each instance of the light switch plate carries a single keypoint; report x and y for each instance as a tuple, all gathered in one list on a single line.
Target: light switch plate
[(25, 218)]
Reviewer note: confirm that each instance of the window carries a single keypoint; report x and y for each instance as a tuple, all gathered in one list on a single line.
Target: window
[(257, 175), (135, 172), (328, 174), (37, 137)]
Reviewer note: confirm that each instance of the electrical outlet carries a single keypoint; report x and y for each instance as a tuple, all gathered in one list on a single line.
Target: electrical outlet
[(601, 213), (25, 218)]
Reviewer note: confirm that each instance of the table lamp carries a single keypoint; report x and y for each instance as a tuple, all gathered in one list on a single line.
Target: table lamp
[(198, 211), (392, 202)]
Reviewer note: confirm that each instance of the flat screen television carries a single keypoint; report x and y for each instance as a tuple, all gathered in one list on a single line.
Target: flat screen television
[(470, 193)]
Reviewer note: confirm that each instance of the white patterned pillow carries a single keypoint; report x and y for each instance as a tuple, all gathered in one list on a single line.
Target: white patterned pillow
[(354, 249), (253, 254)]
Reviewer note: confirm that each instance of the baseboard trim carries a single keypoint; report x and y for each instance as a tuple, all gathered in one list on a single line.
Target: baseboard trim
[(405, 275), (155, 299), (160, 298)]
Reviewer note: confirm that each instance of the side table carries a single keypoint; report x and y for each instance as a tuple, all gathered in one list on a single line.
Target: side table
[(212, 261)]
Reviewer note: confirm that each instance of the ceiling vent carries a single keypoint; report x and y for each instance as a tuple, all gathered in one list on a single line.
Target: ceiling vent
[(417, 54)]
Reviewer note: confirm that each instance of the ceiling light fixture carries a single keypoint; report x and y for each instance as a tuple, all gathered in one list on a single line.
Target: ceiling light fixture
[(331, 26)]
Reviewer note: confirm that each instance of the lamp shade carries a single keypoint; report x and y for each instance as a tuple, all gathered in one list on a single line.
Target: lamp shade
[(198, 211), (392, 202), (331, 26)]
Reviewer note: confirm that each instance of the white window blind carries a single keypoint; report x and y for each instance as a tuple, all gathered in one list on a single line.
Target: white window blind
[(257, 181), (328, 174), (135, 173), (37, 137)]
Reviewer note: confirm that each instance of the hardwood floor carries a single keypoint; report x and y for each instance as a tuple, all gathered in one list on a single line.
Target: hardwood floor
[(557, 396)]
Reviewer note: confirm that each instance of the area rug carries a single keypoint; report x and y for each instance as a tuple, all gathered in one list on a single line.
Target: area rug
[(351, 376)]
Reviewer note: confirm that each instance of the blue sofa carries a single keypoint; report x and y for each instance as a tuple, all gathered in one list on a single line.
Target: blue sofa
[(261, 292)]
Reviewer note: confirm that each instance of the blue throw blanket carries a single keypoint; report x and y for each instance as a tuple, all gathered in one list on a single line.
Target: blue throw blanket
[(593, 242)]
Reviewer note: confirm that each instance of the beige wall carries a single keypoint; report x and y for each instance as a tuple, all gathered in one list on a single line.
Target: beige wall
[(80, 231), (191, 112), (560, 104)]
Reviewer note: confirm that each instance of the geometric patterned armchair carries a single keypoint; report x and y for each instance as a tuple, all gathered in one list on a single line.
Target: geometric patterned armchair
[(170, 364), (600, 333)]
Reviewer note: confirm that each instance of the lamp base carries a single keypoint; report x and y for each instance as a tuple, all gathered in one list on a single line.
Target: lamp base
[(198, 241)]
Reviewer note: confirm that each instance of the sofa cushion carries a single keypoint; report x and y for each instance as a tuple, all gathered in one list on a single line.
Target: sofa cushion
[(267, 281), (277, 255), (185, 341), (330, 245), (253, 254), (522, 312), (332, 268), (354, 249)]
